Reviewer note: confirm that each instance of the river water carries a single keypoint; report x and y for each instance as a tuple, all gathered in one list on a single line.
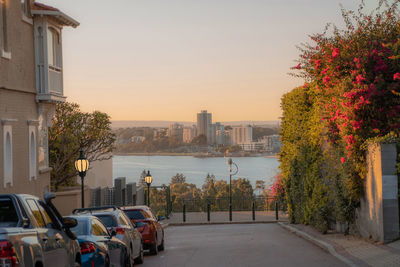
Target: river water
[(162, 168)]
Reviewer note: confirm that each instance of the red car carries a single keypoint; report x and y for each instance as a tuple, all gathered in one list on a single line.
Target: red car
[(148, 225)]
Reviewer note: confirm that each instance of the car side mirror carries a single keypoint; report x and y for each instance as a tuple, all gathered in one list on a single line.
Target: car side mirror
[(113, 233), (25, 223), (69, 222), (160, 218)]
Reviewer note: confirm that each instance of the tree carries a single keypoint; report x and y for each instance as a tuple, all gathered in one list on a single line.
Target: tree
[(73, 130), (141, 178), (200, 140), (260, 185), (178, 178)]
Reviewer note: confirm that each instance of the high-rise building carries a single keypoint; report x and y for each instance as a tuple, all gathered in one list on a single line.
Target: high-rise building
[(203, 120), (219, 134), (242, 134), (189, 133)]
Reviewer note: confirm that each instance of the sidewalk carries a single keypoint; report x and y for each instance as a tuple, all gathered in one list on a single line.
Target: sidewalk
[(352, 250)]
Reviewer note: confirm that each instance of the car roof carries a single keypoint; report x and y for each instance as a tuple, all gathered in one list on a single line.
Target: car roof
[(142, 207)]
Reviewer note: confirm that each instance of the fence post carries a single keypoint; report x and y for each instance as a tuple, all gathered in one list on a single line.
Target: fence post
[(184, 212), (208, 211), (276, 211), (253, 209)]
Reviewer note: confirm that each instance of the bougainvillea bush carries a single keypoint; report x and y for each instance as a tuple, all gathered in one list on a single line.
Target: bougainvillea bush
[(353, 76)]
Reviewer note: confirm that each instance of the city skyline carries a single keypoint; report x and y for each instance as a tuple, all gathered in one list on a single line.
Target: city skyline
[(167, 60)]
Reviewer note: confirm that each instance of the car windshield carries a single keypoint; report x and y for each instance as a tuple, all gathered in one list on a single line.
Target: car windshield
[(108, 220), (8, 215), (80, 228), (135, 214)]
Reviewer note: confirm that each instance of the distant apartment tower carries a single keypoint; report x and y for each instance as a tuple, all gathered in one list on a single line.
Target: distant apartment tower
[(219, 134), (204, 119), (189, 133), (176, 130), (242, 134)]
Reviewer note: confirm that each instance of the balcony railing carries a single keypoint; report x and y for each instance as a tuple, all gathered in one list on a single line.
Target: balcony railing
[(55, 80)]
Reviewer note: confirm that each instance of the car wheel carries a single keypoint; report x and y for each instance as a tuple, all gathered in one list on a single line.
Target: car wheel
[(139, 260), (127, 261), (161, 246), (107, 262), (154, 248)]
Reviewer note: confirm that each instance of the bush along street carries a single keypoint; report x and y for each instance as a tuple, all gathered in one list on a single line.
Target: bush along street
[(351, 97)]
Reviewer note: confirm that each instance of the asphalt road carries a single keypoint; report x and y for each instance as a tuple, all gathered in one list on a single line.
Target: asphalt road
[(238, 245)]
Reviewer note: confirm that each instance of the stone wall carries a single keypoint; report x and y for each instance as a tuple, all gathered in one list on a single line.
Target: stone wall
[(378, 215)]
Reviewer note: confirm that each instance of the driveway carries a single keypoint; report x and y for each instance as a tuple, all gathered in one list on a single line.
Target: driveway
[(238, 245)]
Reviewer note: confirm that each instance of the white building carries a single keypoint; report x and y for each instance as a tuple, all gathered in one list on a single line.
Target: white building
[(242, 134)]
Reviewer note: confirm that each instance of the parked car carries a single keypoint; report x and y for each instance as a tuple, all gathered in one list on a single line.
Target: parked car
[(33, 233), (98, 246), (148, 225), (119, 224)]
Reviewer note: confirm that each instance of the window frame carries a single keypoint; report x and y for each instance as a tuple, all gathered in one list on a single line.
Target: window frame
[(33, 153), (8, 165)]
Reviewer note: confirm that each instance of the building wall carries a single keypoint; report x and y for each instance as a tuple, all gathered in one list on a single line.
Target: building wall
[(242, 134), (378, 214), (18, 107), (100, 174)]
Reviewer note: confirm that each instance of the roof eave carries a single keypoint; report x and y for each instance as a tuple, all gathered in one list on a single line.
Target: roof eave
[(62, 17)]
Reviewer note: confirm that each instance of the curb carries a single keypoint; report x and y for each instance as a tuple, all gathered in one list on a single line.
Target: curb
[(322, 244)]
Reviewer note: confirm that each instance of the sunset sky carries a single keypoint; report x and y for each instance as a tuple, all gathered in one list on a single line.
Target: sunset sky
[(168, 59)]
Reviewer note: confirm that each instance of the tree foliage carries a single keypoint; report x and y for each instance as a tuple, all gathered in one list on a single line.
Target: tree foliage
[(71, 131), (351, 94)]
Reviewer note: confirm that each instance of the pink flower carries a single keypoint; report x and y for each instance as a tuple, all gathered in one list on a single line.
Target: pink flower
[(335, 53), (396, 76), (297, 67), (343, 160), (359, 78), (326, 79)]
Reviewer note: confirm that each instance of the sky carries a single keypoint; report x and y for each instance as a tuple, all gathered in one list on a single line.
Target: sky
[(169, 59)]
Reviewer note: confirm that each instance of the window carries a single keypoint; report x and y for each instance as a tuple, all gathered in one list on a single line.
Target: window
[(80, 228), (53, 47), (36, 213), (25, 7), (98, 228), (4, 49), (7, 156), (47, 219), (8, 215), (122, 220), (32, 153), (108, 220)]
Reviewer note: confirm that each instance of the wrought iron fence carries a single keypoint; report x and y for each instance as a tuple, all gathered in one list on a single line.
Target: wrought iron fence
[(222, 204)]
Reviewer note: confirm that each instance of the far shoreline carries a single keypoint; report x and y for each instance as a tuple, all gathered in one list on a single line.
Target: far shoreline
[(198, 155)]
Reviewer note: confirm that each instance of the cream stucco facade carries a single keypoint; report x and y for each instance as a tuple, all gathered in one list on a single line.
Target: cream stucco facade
[(30, 86)]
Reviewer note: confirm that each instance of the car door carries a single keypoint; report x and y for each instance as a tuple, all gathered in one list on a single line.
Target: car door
[(47, 238), (62, 242), (100, 234), (133, 233), (159, 228)]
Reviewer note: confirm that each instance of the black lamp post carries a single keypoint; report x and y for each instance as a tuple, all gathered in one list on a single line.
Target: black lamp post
[(82, 165), (148, 179), (230, 162)]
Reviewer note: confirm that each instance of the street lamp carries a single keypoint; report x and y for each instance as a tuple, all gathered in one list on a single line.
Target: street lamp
[(148, 179), (230, 162), (82, 165)]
